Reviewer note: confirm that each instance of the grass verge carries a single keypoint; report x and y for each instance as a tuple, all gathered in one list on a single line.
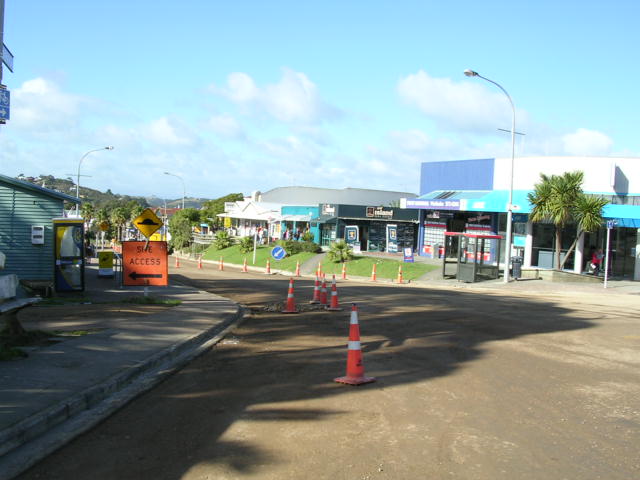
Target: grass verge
[(233, 255), (362, 266)]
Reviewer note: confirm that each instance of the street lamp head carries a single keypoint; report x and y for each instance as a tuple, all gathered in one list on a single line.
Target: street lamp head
[(471, 73), (110, 147)]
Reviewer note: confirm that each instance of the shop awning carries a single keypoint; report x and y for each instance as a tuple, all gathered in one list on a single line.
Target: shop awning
[(471, 201), (624, 215), (296, 218)]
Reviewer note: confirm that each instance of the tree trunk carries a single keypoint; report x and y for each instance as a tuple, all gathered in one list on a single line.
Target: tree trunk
[(573, 245), (558, 245)]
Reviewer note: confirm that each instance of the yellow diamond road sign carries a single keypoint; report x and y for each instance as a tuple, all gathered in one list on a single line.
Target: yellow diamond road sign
[(147, 222)]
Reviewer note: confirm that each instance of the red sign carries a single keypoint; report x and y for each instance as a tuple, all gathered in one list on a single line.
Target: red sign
[(144, 266)]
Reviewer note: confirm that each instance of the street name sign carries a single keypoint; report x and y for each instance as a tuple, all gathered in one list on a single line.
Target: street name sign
[(147, 222), (7, 57), (145, 263)]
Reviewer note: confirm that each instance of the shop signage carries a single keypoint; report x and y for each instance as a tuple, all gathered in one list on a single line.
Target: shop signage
[(328, 210), (460, 204), (378, 212), (408, 254)]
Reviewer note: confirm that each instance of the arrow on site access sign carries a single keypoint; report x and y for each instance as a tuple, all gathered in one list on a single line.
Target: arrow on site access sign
[(135, 275)]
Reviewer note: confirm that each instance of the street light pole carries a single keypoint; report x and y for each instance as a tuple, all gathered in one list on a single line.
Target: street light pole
[(471, 73), (110, 147), (184, 189)]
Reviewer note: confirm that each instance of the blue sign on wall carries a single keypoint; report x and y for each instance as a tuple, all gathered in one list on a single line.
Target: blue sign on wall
[(278, 253), (5, 104)]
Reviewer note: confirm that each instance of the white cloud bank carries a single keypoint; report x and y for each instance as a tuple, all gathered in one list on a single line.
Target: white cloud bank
[(294, 99), (463, 105), (587, 142)]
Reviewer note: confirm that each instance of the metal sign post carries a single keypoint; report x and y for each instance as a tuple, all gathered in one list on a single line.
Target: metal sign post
[(610, 225)]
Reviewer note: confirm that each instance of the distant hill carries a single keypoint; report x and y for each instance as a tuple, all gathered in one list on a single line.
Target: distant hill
[(100, 199)]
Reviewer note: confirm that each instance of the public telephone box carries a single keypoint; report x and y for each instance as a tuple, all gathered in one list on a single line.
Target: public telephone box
[(68, 234), (470, 257)]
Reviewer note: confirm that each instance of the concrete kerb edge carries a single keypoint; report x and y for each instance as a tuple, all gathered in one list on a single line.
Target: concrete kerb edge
[(29, 441)]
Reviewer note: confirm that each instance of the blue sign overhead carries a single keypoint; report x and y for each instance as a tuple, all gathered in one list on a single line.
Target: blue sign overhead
[(5, 102), (278, 253)]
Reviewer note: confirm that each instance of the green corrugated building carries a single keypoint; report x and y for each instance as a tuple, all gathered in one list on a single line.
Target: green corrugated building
[(24, 208)]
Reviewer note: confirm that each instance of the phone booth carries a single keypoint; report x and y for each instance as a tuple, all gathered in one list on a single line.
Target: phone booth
[(68, 234), (469, 257)]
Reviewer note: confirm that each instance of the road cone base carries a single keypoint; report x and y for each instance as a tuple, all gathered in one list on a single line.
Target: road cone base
[(334, 309), (354, 380)]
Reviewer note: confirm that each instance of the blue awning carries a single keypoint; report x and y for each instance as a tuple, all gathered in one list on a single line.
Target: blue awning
[(472, 201)]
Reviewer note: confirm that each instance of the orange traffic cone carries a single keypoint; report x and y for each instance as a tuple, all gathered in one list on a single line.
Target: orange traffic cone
[(177, 262), (221, 264), (344, 271), (373, 272), (400, 274), (200, 262), (355, 367), (334, 307), (323, 292), (244, 266), (297, 269), (316, 291), (268, 267), (291, 303)]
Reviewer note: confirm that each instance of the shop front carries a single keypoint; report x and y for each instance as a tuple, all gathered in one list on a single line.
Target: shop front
[(369, 228)]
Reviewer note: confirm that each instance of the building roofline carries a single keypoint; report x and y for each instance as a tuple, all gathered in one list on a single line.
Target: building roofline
[(36, 188)]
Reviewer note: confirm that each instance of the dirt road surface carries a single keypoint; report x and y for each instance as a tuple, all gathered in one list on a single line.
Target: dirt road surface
[(470, 385)]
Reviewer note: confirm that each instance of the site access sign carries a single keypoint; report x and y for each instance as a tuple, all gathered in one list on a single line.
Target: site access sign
[(144, 263), (147, 222)]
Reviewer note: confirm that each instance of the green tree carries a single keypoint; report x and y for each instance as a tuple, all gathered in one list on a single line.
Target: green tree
[(561, 200), (222, 240), (180, 227), (118, 218), (211, 208), (340, 252)]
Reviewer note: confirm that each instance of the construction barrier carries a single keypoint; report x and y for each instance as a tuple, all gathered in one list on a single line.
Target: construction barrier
[(291, 303), (334, 306), (400, 279), (297, 269), (316, 291), (355, 367), (323, 292), (268, 272), (221, 264), (344, 271), (244, 266), (373, 272)]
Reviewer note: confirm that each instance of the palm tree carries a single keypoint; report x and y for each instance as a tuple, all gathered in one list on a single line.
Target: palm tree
[(119, 218), (88, 211), (560, 199)]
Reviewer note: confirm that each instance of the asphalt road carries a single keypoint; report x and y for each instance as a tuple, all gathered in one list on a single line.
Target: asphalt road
[(470, 385)]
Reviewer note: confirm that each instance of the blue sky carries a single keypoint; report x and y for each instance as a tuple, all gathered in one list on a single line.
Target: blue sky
[(247, 95)]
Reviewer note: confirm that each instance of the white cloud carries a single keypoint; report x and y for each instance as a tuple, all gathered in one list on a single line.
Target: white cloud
[(225, 125), (39, 105), (169, 132), (464, 105), (294, 99), (587, 142)]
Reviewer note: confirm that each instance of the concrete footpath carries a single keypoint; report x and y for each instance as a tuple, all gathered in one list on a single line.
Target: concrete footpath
[(65, 388)]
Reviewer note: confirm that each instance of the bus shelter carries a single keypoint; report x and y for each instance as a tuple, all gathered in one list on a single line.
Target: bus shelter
[(470, 257)]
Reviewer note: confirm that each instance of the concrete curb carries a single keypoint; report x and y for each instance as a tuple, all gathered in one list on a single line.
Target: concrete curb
[(27, 442)]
